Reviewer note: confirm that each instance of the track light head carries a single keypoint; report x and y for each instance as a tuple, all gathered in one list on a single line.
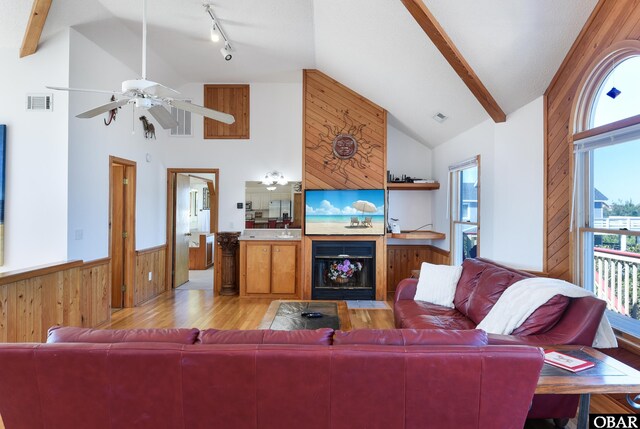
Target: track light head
[(226, 52)]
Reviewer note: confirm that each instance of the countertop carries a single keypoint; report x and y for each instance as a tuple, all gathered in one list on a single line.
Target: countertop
[(270, 235)]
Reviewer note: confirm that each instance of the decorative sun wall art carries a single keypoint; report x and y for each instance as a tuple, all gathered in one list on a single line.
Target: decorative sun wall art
[(344, 146)]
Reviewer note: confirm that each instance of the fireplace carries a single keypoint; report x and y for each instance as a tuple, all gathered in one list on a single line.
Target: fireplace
[(343, 270)]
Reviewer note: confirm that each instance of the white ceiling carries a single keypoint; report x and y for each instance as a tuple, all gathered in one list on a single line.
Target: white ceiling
[(373, 46)]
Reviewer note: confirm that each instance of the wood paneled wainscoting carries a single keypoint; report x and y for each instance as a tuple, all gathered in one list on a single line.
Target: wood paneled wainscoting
[(401, 259), (149, 261), (95, 292), (34, 299)]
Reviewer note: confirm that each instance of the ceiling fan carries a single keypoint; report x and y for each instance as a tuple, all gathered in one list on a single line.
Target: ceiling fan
[(149, 95)]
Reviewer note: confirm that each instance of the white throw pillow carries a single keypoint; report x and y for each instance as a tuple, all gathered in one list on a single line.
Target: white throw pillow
[(437, 284)]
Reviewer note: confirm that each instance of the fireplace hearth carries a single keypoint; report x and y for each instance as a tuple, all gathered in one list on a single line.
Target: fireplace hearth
[(343, 270)]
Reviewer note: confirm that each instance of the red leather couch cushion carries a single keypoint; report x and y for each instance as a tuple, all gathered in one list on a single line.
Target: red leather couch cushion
[(266, 336), (492, 283), (411, 337), (427, 321), (545, 317), (68, 334), (471, 271)]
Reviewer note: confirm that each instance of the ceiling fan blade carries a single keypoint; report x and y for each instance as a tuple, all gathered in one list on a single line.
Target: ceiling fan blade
[(99, 91), (103, 109), (163, 117), (161, 91), (204, 111)]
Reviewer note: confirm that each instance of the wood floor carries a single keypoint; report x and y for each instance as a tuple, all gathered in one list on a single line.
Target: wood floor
[(199, 309)]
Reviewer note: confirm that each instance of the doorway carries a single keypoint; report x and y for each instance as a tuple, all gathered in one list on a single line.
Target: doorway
[(122, 200), (192, 222)]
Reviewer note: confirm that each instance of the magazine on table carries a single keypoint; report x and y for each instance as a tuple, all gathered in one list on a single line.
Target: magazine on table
[(567, 362)]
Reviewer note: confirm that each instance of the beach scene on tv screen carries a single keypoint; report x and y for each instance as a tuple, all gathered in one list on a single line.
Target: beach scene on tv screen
[(344, 212)]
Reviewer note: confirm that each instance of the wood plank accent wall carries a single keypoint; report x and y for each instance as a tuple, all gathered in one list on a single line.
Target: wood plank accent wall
[(610, 22), (231, 99), (330, 108), (95, 293), (149, 260), (402, 259), (33, 300), (325, 103)]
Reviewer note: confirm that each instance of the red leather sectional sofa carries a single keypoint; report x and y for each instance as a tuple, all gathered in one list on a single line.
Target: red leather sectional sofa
[(561, 320), (181, 378)]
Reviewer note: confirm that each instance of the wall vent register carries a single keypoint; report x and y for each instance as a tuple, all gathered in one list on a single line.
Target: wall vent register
[(40, 102)]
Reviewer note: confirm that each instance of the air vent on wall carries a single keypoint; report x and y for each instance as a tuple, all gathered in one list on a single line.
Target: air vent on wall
[(184, 122), (40, 102)]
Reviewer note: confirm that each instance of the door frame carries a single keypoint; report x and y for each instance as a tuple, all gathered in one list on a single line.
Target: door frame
[(213, 224), (130, 168)]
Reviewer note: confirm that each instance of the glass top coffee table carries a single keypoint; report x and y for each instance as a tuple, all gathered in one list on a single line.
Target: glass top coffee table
[(285, 315)]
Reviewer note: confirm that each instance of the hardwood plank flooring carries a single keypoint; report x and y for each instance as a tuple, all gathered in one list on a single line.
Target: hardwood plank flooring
[(199, 309)]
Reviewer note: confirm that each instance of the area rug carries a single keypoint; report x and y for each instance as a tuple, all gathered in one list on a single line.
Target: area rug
[(367, 305)]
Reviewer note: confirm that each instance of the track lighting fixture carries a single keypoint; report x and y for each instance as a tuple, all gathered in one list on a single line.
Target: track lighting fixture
[(226, 52), (217, 32)]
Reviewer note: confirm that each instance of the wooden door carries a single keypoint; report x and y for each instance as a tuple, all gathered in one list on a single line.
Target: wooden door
[(181, 232), (117, 239), (283, 268), (258, 268)]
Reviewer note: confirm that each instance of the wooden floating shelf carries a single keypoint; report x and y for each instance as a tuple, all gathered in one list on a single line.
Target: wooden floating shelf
[(413, 186), (419, 235)]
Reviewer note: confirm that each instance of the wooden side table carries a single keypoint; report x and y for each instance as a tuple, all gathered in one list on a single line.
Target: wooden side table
[(607, 376), (228, 241)]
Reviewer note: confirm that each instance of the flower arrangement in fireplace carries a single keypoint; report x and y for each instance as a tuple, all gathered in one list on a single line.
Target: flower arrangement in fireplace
[(341, 272)]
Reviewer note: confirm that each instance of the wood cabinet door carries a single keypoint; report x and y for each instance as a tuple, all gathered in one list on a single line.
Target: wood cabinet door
[(258, 268), (283, 268)]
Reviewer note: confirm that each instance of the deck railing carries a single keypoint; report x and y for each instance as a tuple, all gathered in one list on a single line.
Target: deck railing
[(632, 223), (616, 280)]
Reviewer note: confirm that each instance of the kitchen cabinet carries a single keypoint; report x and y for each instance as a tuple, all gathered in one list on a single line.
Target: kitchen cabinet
[(269, 268)]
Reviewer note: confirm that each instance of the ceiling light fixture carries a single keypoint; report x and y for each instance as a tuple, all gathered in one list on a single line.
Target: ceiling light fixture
[(274, 177), (215, 36), (271, 188), (217, 32)]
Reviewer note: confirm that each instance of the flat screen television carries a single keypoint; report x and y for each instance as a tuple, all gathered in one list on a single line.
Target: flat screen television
[(344, 212)]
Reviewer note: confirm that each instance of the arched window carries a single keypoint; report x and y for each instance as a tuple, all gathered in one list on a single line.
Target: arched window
[(606, 214)]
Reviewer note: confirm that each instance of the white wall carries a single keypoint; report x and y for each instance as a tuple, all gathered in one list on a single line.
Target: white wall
[(511, 185), (519, 188), (407, 156), (90, 145), (275, 143), (36, 165)]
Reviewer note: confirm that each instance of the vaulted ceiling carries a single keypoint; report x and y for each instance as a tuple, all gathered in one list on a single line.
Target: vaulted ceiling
[(373, 46)]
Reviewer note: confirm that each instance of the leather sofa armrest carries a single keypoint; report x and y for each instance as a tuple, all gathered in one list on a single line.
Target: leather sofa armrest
[(406, 290)]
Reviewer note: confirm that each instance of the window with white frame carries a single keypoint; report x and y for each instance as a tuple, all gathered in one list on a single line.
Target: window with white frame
[(464, 204), (606, 192)]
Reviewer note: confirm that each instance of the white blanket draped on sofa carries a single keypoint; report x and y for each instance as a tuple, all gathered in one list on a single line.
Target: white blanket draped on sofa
[(524, 297)]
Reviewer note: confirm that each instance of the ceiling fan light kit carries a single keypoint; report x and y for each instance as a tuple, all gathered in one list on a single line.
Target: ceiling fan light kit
[(152, 96)]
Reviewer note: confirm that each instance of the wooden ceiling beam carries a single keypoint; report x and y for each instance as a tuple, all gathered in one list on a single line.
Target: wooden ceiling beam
[(436, 33), (32, 33)]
